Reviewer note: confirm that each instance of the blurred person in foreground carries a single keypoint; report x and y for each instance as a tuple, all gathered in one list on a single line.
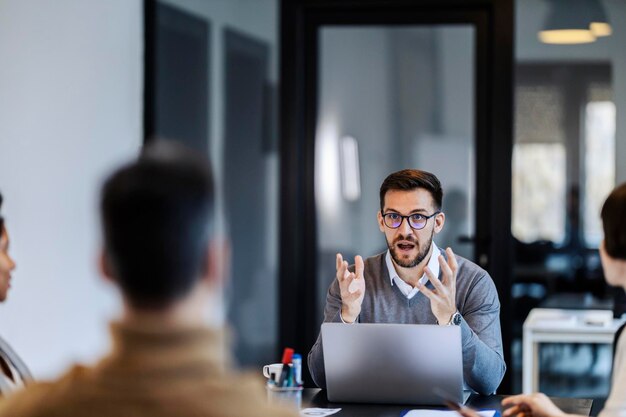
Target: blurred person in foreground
[(160, 251), (613, 256), (13, 372)]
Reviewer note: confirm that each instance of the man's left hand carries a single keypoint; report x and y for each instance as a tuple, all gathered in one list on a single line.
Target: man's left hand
[(443, 296)]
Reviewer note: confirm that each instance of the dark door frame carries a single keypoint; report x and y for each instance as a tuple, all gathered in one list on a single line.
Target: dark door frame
[(300, 21)]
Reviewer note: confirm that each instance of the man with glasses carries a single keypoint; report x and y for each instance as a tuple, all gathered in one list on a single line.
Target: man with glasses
[(414, 282)]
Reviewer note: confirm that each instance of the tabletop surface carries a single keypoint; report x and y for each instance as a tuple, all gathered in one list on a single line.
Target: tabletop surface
[(314, 397)]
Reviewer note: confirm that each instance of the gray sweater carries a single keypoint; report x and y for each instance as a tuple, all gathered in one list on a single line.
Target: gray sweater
[(476, 300)]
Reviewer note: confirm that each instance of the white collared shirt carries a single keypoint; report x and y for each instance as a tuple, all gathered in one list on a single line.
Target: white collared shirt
[(406, 289)]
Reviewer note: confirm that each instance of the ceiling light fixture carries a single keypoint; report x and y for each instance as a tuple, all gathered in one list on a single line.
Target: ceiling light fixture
[(599, 25), (574, 22)]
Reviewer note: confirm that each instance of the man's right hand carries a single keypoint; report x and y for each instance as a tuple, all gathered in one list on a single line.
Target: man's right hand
[(352, 288)]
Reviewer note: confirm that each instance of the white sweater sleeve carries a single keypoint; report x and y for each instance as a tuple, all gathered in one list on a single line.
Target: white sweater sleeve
[(615, 405)]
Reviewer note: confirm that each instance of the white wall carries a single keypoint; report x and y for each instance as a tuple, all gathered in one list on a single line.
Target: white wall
[(70, 111)]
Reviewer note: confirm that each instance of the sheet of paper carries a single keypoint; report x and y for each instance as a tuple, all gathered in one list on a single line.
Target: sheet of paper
[(444, 413), (318, 412)]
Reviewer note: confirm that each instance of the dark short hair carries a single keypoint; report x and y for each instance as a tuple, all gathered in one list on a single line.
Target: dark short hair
[(156, 218), (614, 223), (410, 179)]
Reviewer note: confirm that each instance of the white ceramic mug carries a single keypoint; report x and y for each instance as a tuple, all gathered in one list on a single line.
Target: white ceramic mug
[(273, 368)]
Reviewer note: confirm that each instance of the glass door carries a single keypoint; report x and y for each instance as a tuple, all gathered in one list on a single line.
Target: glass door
[(369, 88), (390, 98)]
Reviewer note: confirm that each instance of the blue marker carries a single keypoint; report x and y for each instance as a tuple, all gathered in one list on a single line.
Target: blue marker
[(296, 362)]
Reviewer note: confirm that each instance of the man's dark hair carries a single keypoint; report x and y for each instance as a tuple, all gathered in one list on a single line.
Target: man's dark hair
[(156, 217), (614, 223), (410, 179)]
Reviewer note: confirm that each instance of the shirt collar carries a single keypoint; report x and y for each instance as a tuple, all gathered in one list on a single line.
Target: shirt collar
[(433, 265)]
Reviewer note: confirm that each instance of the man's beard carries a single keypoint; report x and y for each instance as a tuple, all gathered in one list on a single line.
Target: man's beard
[(421, 254)]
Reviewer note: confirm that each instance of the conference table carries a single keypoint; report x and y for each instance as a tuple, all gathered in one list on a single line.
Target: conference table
[(315, 397)]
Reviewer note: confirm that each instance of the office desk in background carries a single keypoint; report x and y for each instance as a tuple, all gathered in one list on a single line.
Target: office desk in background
[(315, 397), (553, 325)]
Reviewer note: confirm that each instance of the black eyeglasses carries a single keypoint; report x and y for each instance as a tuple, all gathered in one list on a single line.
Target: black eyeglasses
[(416, 221)]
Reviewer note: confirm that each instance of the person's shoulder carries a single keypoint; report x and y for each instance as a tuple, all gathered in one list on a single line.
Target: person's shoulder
[(375, 267), (41, 398), (471, 275), (620, 335), (375, 261), (372, 265), (233, 394), (468, 267)]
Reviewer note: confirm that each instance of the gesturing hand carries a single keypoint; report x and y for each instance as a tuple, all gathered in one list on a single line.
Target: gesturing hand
[(351, 287), (531, 405), (443, 296)]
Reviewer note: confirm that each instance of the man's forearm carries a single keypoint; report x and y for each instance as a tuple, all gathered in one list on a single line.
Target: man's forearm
[(316, 363), (483, 366)]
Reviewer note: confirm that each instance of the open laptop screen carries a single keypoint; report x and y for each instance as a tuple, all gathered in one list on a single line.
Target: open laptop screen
[(392, 363)]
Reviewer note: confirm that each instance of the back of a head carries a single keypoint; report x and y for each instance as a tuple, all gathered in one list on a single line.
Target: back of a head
[(411, 179), (156, 217), (614, 223)]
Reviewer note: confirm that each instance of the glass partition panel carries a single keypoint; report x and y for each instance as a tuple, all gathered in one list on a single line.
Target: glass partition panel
[(239, 114), (390, 98), (564, 166)]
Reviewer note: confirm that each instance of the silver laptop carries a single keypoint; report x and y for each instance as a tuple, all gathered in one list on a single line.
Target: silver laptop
[(392, 363)]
